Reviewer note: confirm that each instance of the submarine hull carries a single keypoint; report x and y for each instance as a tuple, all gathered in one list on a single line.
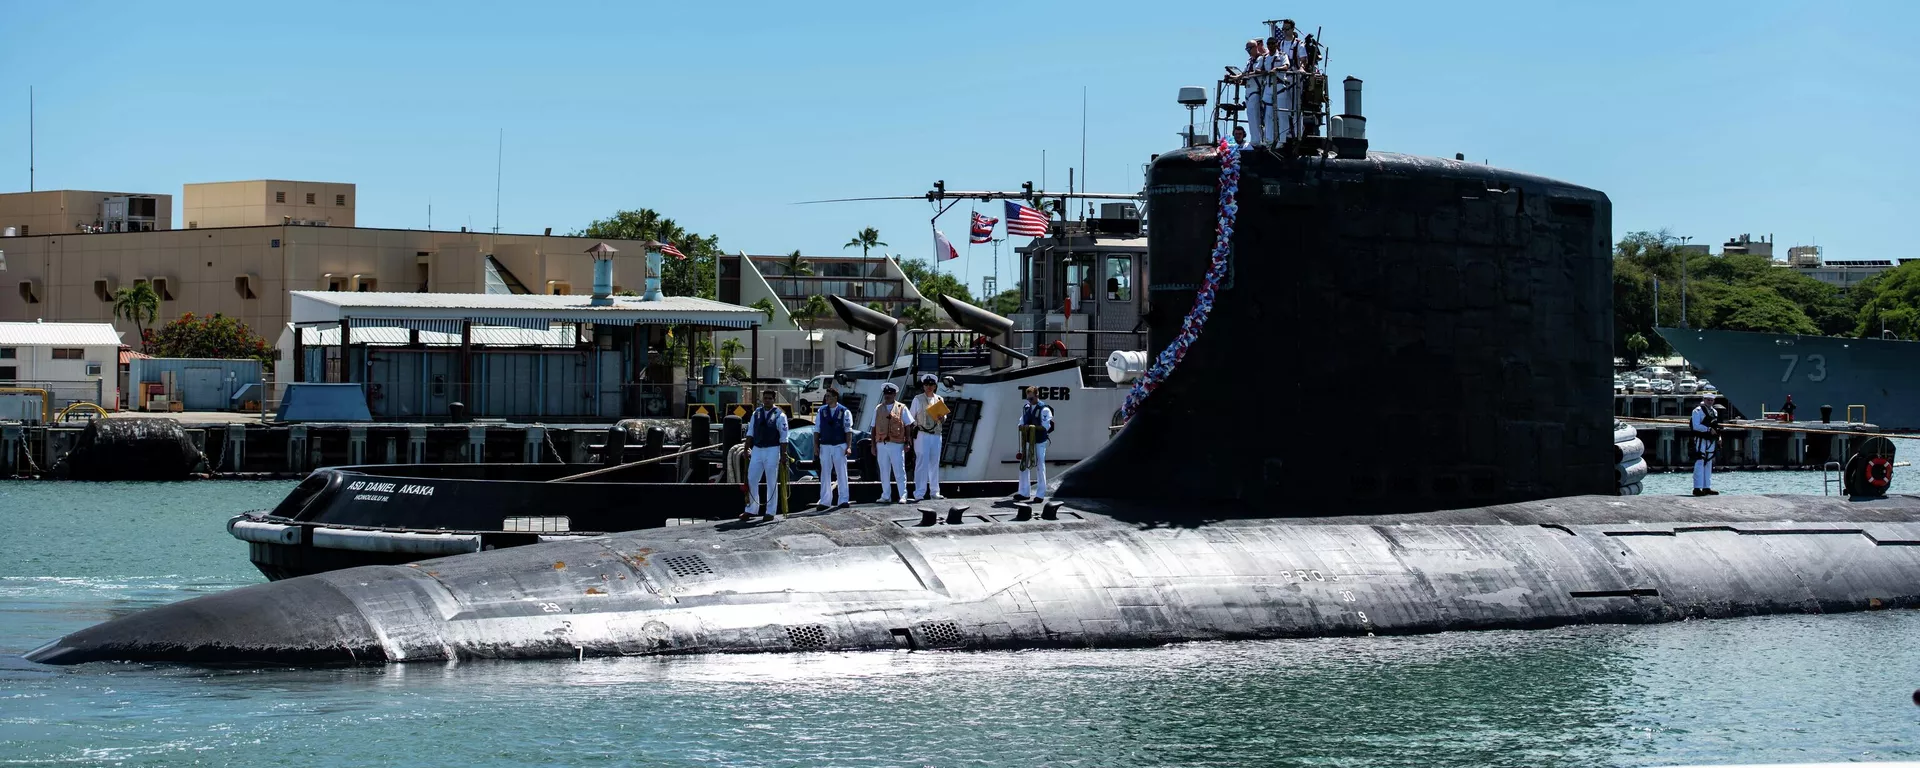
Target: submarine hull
[(1099, 576)]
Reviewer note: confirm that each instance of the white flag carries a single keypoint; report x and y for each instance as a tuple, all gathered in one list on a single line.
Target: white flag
[(943, 250)]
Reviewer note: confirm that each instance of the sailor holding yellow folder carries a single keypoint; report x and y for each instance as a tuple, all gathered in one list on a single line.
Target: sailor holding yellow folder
[(929, 416)]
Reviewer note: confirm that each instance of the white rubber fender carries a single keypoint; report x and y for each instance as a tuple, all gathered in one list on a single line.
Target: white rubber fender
[(1623, 432), (263, 533), (1630, 473), (404, 542), (1629, 451)]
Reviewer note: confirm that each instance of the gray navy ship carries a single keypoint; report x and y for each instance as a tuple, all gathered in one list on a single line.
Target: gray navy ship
[(1457, 317), (1869, 380)]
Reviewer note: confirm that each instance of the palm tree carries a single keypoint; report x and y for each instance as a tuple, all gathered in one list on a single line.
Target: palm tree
[(867, 239), (797, 266), (139, 305), (918, 316), (809, 314)]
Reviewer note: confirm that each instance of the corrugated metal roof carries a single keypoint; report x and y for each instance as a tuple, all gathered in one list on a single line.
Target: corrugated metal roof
[(489, 335), (59, 334), (517, 309)]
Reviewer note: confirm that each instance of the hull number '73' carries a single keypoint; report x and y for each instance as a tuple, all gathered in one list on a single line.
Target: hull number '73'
[(1818, 363)]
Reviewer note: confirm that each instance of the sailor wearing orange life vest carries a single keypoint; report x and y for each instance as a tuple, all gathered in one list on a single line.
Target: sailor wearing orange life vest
[(891, 426), (767, 434), (1036, 419)]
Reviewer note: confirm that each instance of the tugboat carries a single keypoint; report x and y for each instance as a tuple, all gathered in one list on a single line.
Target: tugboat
[(1475, 308)]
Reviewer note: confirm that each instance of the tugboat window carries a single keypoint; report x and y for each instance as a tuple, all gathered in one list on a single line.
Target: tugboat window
[(1119, 278)]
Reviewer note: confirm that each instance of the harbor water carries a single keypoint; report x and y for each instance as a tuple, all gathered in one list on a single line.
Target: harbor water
[(1776, 689)]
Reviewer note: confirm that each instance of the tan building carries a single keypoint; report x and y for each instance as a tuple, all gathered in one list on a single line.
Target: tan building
[(268, 202), (60, 211), (246, 272)]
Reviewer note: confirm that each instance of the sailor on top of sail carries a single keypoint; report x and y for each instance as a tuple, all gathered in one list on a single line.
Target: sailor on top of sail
[(1036, 423), (1284, 99), (1255, 88), (767, 433), (1704, 445), (835, 424)]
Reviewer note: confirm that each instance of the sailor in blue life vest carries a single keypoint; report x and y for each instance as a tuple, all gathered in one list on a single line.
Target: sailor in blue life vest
[(833, 427), (767, 433), (1036, 423), (1705, 443)]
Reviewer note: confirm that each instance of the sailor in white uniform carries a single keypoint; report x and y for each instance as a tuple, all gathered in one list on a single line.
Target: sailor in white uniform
[(1254, 88), (1704, 445), (767, 434), (892, 429), (1036, 417), (833, 429), (1284, 99), (926, 441)]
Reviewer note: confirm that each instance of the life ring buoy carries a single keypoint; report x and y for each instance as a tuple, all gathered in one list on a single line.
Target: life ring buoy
[(1056, 348), (1879, 472)]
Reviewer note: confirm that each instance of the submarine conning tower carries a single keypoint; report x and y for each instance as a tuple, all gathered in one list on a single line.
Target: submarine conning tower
[(1451, 319)]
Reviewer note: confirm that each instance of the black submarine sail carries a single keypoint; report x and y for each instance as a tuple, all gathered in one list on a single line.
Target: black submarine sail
[(1458, 313)]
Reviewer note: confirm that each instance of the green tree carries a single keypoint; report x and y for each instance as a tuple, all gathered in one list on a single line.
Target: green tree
[(138, 304), (797, 266), (1761, 309), (918, 316), (1636, 349), (765, 305), (730, 349), (866, 240), (934, 284), (1891, 303), (210, 336), (691, 276), (809, 315), (1005, 302)]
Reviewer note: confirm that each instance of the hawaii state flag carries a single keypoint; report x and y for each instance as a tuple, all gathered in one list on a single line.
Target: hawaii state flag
[(982, 228), (943, 250)]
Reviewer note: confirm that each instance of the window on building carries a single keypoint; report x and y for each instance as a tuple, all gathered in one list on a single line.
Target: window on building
[(368, 285), (336, 283), (339, 199), (279, 197), (93, 369), (9, 373), (1120, 278), (801, 363), (69, 353), (309, 198), (7, 353)]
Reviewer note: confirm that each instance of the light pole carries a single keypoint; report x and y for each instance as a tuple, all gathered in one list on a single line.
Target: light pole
[(1683, 279)]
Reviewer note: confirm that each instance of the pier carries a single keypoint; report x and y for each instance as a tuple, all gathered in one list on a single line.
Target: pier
[(256, 450)]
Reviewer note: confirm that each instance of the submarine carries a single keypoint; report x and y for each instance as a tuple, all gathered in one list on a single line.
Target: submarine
[(1457, 314)]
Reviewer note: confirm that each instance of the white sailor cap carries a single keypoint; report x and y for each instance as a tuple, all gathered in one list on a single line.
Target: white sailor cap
[(1707, 398), (889, 387), (927, 378)]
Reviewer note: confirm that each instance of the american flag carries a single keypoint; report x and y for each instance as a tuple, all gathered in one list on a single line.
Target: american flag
[(1025, 221), (668, 249), (982, 228)]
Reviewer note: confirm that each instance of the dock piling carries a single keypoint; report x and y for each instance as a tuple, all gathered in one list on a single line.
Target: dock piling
[(416, 445), (297, 448)]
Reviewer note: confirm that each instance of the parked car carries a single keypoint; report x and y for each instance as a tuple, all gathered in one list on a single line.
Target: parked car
[(1662, 387), (1686, 387)]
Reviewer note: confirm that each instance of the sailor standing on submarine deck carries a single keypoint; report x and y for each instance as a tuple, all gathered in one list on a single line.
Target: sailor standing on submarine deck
[(926, 441), (890, 432), (767, 432), (1036, 418), (1284, 85), (835, 425), (1705, 427)]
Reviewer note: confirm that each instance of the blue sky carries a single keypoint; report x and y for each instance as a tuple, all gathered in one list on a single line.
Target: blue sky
[(1709, 118)]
